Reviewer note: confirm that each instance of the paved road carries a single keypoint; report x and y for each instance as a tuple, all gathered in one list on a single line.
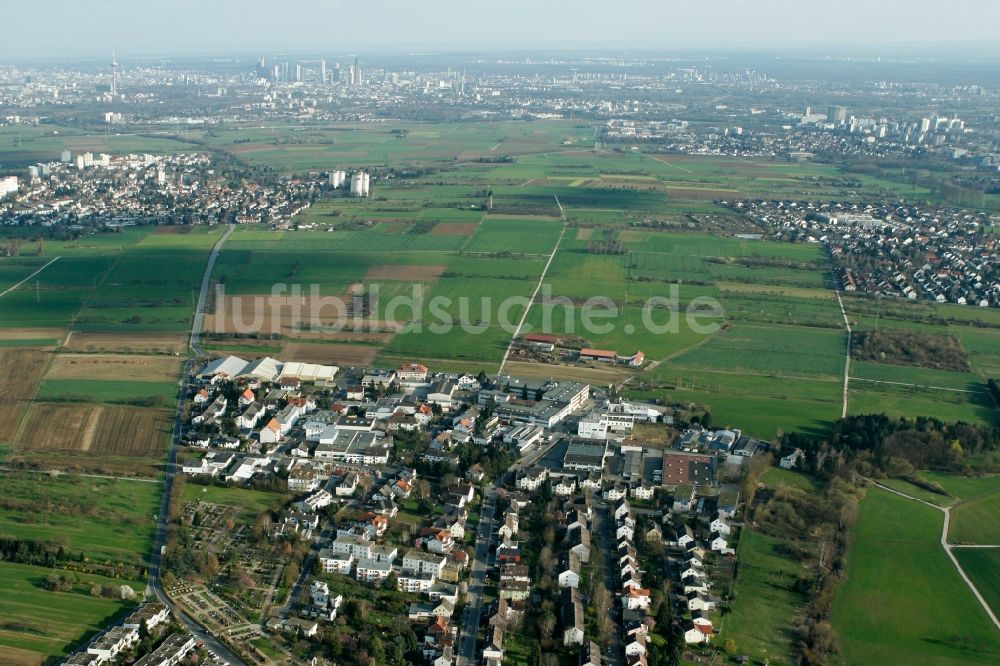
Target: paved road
[(947, 547), (10, 289), (534, 295), (206, 281), (847, 357), (477, 579), (156, 560), (605, 532), (304, 572)]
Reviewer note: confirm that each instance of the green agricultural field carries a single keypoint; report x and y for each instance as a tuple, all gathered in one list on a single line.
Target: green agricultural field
[(768, 275), (925, 377), (981, 565), (900, 580), (117, 391), (977, 519), (21, 146), (52, 624), (108, 520), (966, 488), (135, 280), (516, 235), (775, 351), (868, 398), (766, 308), (760, 619), (16, 269), (758, 415)]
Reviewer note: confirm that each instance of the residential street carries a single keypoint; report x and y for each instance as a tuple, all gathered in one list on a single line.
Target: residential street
[(477, 579), (604, 528)]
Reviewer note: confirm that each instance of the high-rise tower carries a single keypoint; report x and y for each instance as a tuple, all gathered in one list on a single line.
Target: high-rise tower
[(114, 74)]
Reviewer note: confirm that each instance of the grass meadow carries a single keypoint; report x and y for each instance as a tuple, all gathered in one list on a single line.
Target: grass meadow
[(902, 601)]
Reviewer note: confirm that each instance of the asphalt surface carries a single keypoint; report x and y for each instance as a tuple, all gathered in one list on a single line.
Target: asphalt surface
[(156, 560), (477, 578), (605, 536)]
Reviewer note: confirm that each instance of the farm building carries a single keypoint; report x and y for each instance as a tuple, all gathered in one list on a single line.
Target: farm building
[(602, 355), (541, 341)]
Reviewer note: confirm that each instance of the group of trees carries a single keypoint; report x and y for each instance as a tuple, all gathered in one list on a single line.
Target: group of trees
[(904, 346), (885, 444), (29, 551), (815, 529)]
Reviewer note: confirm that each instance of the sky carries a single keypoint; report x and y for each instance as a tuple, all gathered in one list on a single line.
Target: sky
[(57, 28)]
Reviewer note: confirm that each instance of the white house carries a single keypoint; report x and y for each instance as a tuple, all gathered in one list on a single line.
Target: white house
[(331, 561), (569, 571), (372, 571)]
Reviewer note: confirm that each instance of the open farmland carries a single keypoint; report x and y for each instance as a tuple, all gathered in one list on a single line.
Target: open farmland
[(981, 565), (128, 343), (974, 518), (770, 350), (342, 354), (123, 431), (516, 235), (20, 372), (900, 580), (113, 366)]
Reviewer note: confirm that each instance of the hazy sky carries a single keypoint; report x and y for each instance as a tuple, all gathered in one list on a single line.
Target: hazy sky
[(39, 28)]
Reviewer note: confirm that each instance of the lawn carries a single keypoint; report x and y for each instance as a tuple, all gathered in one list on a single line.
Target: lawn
[(775, 477), (900, 581), (253, 502)]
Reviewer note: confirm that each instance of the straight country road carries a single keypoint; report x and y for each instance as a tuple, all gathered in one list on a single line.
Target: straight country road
[(847, 358), (534, 295), (10, 289), (160, 542)]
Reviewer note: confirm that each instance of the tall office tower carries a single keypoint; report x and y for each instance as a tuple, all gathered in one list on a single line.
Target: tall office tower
[(322, 71), (357, 73), (298, 73), (114, 74), (836, 115)]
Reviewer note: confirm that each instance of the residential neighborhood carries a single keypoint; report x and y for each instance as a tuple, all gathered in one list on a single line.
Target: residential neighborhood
[(576, 501)]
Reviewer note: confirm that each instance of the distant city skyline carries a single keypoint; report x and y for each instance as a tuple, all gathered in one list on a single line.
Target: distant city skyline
[(64, 28)]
